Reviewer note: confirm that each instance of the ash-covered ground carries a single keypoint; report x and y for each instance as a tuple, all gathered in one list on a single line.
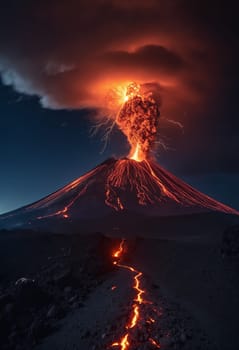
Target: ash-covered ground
[(63, 292), (43, 277)]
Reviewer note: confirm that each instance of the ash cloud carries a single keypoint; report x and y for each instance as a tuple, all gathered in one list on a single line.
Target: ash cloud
[(64, 51), (156, 59), (69, 52)]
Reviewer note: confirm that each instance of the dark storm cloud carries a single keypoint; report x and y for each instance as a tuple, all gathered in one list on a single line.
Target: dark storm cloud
[(69, 52), (64, 51), (155, 57)]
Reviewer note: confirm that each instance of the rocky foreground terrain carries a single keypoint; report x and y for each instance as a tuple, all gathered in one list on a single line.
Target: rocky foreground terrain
[(63, 292), (31, 305)]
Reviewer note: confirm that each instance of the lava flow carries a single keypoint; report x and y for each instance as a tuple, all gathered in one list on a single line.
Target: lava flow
[(139, 316)]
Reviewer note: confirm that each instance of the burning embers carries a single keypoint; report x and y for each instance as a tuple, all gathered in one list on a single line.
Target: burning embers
[(143, 313), (138, 119)]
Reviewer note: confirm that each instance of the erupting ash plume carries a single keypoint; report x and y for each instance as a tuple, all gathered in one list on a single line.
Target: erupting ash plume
[(138, 119), (135, 109)]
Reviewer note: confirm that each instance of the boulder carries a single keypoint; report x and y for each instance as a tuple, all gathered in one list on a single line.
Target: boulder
[(29, 293)]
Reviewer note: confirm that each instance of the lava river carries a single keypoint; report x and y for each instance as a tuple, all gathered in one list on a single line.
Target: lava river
[(143, 314)]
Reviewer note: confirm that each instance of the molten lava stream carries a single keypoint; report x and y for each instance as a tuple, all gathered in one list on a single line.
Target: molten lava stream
[(138, 316)]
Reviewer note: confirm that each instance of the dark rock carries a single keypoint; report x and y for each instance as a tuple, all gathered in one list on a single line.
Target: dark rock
[(67, 290), (39, 329), (62, 277), (75, 305), (51, 312), (86, 334), (23, 281), (72, 299), (12, 337), (29, 293), (9, 311), (165, 341), (183, 337), (230, 242), (5, 299), (9, 308)]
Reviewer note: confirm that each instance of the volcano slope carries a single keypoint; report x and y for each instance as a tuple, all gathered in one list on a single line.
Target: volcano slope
[(113, 190)]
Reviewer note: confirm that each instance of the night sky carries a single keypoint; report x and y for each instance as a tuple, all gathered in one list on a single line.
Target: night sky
[(57, 60)]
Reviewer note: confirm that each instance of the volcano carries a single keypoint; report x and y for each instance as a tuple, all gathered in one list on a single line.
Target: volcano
[(117, 187), (120, 191)]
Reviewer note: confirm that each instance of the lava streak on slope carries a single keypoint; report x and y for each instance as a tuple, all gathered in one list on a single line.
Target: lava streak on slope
[(143, 312)]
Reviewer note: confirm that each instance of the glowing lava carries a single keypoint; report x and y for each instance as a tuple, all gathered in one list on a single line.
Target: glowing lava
[(119, 251), (137, 154), (137, 317)]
